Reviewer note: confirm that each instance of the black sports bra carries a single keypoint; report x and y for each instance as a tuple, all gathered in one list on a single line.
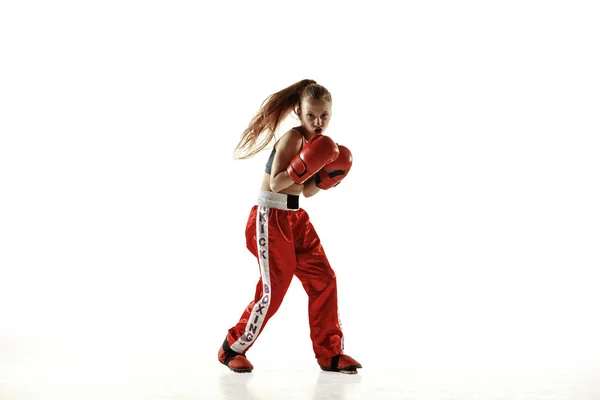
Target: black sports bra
[(272, 157), (270, 162)]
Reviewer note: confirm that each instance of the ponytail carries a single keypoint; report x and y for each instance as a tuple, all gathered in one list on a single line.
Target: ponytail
[(274, 109)]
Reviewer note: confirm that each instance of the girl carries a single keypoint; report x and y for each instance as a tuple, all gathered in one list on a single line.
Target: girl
[(279, 233)]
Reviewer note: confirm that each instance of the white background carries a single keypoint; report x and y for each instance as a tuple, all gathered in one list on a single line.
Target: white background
[(467, 231)]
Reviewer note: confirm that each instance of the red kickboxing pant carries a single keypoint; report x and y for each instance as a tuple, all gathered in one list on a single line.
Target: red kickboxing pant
[(285, 243)]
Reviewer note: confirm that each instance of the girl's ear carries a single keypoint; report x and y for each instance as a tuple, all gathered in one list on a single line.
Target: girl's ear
[(298, 112)]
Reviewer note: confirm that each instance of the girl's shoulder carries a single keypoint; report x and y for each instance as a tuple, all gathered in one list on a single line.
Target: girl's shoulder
[(292, 137), (296, 132)]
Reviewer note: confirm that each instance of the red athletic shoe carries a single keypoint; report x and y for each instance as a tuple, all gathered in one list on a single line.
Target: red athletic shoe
[(235, 361), (340, 363)]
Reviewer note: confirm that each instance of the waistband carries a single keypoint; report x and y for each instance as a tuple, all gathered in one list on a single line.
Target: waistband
[(280, 201)]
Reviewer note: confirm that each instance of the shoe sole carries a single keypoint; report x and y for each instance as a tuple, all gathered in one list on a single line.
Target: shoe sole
[(349, 370), (238, 370)]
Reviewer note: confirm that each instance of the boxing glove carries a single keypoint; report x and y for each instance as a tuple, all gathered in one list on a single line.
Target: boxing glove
[(315, 154), (332, 173)]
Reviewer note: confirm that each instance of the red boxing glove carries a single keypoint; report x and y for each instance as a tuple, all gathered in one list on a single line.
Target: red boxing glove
[(316, 153), (335, 171)]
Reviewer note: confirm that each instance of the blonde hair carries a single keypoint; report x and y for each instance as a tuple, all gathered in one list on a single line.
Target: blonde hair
[(273, 111)]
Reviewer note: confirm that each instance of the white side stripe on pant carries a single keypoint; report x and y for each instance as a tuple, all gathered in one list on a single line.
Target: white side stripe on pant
[(259, 311)]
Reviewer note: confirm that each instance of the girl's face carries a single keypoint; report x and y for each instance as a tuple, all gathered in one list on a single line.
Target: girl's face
[(315, 115)]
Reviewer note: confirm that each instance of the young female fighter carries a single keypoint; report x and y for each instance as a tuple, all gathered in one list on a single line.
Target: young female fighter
[(280, 234)]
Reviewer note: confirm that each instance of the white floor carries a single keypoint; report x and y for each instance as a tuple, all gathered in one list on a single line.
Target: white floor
[(54, 369)]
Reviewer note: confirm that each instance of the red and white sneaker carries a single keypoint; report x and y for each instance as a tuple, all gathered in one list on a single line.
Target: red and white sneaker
[(235, 361), (340, 363)]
